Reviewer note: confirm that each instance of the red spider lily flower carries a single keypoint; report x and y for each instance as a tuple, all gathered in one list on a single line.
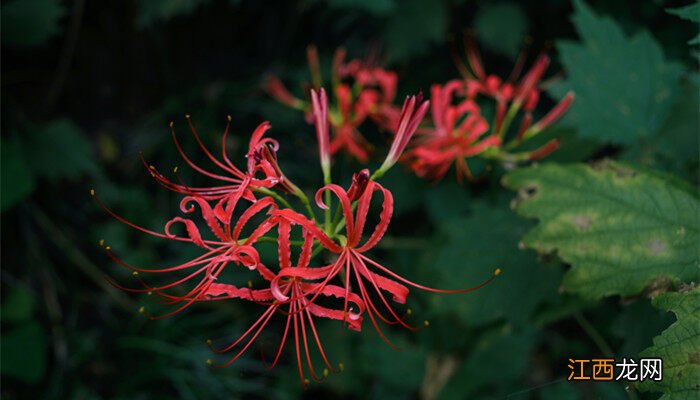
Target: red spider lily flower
[(352, 261), (236, 184), (510, 98), (228, 248), (360, 89), (294, 297), (319, 103), (457, 133), (412, 113)]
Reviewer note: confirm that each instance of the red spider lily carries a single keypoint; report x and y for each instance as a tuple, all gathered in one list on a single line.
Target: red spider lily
[(236, 184), (360, 90), (510, 97), (351, 261), (294, 297), (412, 113), (228, 248), (457, 133)]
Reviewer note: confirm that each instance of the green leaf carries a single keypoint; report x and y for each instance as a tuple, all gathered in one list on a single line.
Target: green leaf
[(491, 364), (414, 27), (621, 229), (473, 247), (624, 86), (501, 28), (678, 346), (151, 11), (30, 22), (18, 306), (691, 13), (61, 151), (23, 352), (17, 179)]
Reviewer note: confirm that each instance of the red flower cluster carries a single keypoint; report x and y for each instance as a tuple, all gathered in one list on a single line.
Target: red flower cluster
[(361, 90), (245, 209), (457, 129)]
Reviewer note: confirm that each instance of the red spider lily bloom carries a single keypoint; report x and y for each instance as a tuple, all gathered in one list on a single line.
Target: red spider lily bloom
[(457, 133), (360, 89), (352, 262), (228, 248), (294, 297), (236, 184), (319, 103), (511, 96), (412, 113)]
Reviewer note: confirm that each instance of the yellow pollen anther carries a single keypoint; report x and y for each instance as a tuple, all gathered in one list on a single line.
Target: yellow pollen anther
[(229, 118), (92, 192), (175, 170), (150, 293), (209, 342), (409, 312), (250, 284), (426, 323), (497, 272), (171, 124), (108, 248), (135, 273), (210, 362), (152, 167), (187, 116), (142, 309), (325, 372), (306, 381), (102, 242), (341, 367)]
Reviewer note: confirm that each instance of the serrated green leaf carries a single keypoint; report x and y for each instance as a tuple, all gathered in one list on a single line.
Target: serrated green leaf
[(624, 86), (30, 22), (466, 258), (61, 151), (17, 179), (621, 229), (414, 27), (678, 346), (501, 28)]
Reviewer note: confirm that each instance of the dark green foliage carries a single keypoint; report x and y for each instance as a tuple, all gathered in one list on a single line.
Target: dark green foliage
[(83, 98)]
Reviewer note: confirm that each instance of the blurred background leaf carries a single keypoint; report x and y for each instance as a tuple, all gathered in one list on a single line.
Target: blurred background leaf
[(31, 22), (501, 28)]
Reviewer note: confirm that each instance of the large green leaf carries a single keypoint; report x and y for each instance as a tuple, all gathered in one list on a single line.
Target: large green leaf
[(30, 22), (691, 13), (621, 229), (472, 248), (501, 27), (624, 86), (678, 347)]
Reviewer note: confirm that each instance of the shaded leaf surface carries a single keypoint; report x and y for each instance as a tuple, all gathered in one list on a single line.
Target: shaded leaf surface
[(624, 85), (678, 346), (620, 229)]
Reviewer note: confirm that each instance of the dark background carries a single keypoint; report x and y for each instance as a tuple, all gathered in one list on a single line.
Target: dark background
[(88, 85)]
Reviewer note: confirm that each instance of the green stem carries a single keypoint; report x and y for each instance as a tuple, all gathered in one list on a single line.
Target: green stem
[(593, 333), (512, 111), (274, 195)]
